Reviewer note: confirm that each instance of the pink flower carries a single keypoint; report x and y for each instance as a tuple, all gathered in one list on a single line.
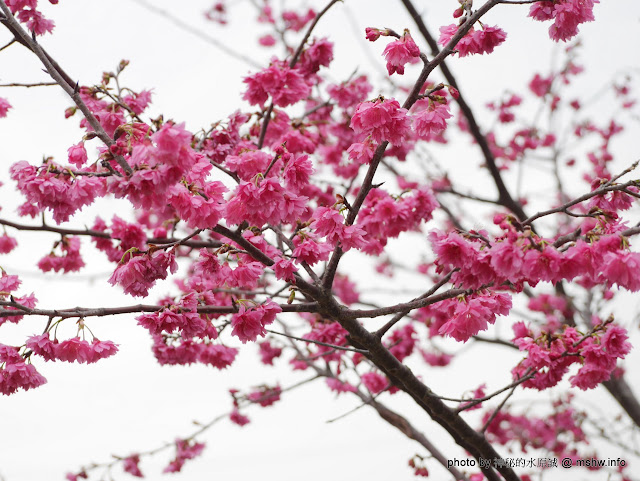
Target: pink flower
[(43, 346), (318, 54), (622, 269), (540, 85), (475, 41), (310, 251), (19, 375), (567, 16), (400, 52), (249, 324), (350, 93), (263, 202), (372, 34), (474, 313), (374, 382), (614, 341), (139, 274), (339, 387), (238, 418), (7, 244), (268, 352), (286, 86), (267, 40), (381, 119), (130, 465), (431, 121), (284, 270), (77, 154), (69, 261), (185, 450), (217, 355), (265, 396), (4, 107)]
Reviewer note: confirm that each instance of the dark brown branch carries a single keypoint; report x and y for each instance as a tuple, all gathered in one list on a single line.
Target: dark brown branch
[(504, 197), (61, 78), (112, 311), (105, 235), (381, 332), (404, 307)]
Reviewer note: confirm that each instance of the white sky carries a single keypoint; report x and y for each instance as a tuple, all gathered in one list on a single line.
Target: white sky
[(128, 403)]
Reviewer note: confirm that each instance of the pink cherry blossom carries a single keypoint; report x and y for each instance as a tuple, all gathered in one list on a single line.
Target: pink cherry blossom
[(382, 119), (400, 52), (248, 324), (4, 107)]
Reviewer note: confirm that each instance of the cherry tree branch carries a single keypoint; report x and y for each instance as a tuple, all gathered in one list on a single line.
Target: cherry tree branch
[(39, 84), (564, 207), (381, 332), (367, 183), (294, 60), (61, 78), (21, 310), (504, 196), (105, 235)]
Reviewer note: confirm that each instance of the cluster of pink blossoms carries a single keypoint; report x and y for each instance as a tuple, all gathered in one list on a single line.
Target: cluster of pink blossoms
[(69, 261), (27, 12), (70, 350), (15, 373), (567, 15), (185, 450), (136, 274), (285, 85), (514, 258), (475, 41), (248, 324), (462, 318), (400, 52), (551, 355), (557, 433), (59, 192), (4, 107), (9, 284)]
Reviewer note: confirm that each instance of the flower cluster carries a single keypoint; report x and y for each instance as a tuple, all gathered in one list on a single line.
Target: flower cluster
[(475, 41), (567, 15), (248, 324), (70, 350), (550, 355)]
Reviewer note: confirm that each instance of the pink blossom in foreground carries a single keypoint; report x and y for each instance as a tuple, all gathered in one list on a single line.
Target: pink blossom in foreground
[(400, 52), (77, 155), (382, 119), (480, 41), (136, 275), (431, 120), (567, 15), (474, 313), (248, 324)]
